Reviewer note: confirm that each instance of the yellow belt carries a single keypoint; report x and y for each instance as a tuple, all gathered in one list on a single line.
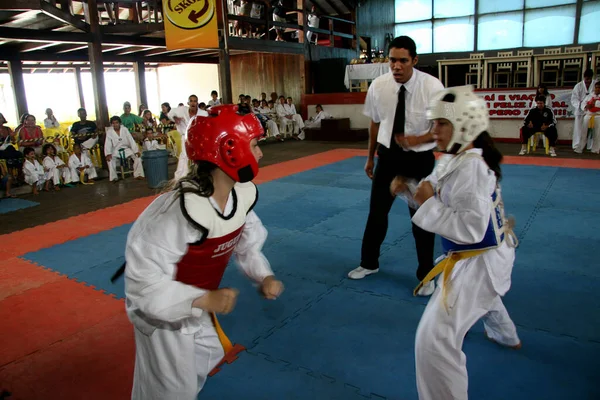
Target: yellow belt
[(591, 123), (446, 266), (225, 342), (81, 176)]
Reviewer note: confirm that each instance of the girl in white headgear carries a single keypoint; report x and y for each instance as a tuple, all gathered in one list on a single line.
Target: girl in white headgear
[(461, 202)]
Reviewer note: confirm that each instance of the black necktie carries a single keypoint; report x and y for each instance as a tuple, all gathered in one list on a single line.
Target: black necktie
[(399, 116)]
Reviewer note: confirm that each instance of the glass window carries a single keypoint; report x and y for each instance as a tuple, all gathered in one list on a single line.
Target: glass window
[(413, 10), (420, 32), (549, 27), (456, 34), (546, 3), (453, 8), (499, 6), (500, 31), (589, 24)]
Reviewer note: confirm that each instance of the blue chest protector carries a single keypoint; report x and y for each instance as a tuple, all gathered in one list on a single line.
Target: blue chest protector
[(494, 235)]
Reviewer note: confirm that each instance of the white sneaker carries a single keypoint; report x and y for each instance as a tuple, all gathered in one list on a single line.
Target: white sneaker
[(361, 272), (552, 153), (427, 289), (522, 152)]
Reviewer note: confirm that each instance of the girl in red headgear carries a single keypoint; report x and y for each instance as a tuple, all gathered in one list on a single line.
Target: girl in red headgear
[(177, 252)]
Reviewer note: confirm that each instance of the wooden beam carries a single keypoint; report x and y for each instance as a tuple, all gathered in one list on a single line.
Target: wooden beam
[(63, 16), (140, 82), (134, 28), (15, 69), (27, 47), (24, 5), (110, 57), (96, 64), (79, 87), (225, 88), (265, 46), (30, 35), (334, 7)]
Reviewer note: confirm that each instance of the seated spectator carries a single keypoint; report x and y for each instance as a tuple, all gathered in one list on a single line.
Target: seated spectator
[(214, 101), (50, 121), (119, 139), (56, 170), (80, 165), (31, 135), (130, 120), (150, 143), (291, 116), (315, 122), (148, 120), (591, 120), (84, 132), (6, 181), (542, 90), (540, 119), (8, 151), (33, 171)]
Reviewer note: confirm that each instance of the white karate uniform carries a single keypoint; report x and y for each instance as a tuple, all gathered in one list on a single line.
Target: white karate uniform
[(183, 162), (54, 173), (150, 145), (578, 95), (76, 162), (177, 345), (212, 102), (315, 122), (115, 142), (461, 214), (272, 128), (583, 140), (34, 173)]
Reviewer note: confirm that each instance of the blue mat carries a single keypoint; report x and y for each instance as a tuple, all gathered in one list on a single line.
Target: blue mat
[(9, 205), (329, 337)]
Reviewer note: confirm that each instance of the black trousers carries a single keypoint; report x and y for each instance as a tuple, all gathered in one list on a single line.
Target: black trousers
[(551, 133), (391, 163)]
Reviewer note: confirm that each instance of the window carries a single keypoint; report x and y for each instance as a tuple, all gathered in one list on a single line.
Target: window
[(546, 3), (549, 27), (453, 8), (412, 10), (455, 34), (486, 7), (500, 31), (589, 32), (420, 32)]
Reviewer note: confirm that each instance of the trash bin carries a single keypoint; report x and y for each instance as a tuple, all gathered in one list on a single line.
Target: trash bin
[(156, 167)]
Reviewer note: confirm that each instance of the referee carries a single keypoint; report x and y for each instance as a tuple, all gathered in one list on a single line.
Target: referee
[(396, 103)]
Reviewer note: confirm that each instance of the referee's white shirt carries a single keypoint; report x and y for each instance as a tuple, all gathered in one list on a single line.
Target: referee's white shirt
[(382, 99)]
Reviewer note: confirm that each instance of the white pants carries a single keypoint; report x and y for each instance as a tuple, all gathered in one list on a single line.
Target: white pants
[(578, 132), (594, 144), (89, 143), (272, 128), (441, 365), (55, 173), (170, 365), (138, 168), (90, 172), (296, 121)]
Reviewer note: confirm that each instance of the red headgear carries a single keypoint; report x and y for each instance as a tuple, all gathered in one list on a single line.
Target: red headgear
[(223, 138)]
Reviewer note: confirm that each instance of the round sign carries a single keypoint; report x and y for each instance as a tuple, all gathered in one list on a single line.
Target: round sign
[(190, 14)]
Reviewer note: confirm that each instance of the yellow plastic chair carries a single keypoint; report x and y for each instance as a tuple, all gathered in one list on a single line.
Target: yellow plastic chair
[(533, 141)]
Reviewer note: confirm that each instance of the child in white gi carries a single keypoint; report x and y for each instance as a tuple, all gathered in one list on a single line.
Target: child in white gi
[(150, 143), (178, 249), (81, 165), (33, 171), (461, 202), (57, 172)]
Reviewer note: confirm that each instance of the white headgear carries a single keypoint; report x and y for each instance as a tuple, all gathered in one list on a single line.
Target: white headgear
[(466, 111)]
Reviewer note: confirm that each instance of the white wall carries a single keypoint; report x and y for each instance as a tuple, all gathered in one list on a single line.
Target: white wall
[(177, 82), (500, 128)]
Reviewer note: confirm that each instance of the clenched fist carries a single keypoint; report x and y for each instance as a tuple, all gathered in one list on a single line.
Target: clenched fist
[(221, 301), (271, 288)]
